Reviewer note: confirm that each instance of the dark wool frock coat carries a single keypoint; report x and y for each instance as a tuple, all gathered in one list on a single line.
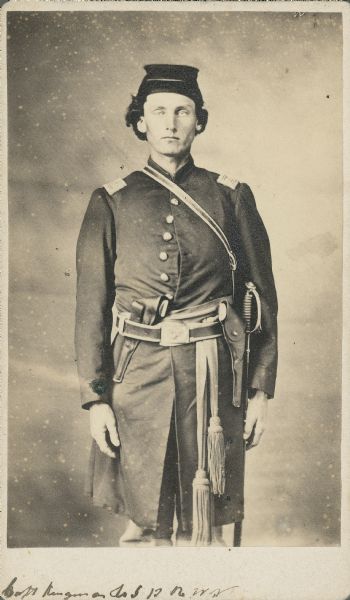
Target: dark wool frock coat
[(140, 241)]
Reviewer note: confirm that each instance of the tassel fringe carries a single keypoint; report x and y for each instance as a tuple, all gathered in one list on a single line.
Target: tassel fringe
[(216, 456), (201, 535)]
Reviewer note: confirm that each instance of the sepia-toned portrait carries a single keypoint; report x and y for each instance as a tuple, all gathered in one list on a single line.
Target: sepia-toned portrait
[(174, 193)]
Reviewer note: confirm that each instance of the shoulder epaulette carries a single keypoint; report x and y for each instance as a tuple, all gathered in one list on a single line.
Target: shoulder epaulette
[(114, 186), (229, 181)]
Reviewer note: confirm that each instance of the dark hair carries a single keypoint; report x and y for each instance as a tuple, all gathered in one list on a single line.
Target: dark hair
[(135, 111)]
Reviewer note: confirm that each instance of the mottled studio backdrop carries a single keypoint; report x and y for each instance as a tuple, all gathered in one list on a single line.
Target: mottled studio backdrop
[(272, 85)]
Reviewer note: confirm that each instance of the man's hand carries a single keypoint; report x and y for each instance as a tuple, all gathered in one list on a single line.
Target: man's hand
[(102, 420), (256, 419)]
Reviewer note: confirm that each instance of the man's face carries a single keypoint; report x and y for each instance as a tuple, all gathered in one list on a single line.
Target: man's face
[(169, 122)]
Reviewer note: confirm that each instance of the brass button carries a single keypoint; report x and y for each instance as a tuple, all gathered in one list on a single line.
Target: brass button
[(163, 256), (164, 277), (170, 219), (174, 201), (167, 236)]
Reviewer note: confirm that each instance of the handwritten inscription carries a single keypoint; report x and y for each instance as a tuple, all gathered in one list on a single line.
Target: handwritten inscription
[(140, 591)]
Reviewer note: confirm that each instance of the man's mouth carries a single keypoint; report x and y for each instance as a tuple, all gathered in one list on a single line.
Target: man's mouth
[(170, 137)]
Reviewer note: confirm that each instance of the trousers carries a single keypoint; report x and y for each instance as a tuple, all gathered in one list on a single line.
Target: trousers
[(174, 499)]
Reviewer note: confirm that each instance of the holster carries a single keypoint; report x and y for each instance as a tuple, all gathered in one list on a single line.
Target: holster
[(234, 333), (123, 350), (144, 310)]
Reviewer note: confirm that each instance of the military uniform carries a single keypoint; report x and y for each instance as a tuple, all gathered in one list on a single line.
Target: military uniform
[(140, 241)]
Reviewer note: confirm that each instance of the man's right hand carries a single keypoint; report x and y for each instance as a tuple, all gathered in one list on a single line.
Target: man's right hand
[(102, 419)]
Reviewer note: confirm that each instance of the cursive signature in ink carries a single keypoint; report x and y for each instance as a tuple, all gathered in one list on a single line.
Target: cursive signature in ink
[(121, 591)]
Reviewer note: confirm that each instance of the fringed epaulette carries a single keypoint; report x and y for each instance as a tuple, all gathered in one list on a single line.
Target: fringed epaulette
[(114, 186), (228, 181)]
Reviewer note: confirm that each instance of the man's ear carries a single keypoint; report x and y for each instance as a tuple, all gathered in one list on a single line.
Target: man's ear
[(198, 127), (141, 125)]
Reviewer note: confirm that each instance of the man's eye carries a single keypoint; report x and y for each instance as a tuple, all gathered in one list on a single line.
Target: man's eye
[(159, 111), (183, 112)]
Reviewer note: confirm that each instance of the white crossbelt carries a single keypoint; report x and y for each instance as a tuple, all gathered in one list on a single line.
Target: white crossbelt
[(196, 208)]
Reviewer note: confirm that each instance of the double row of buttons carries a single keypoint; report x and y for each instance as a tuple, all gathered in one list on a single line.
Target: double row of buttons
[(167, 236)]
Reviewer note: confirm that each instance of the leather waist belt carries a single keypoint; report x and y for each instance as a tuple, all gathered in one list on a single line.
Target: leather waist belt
[(170, 332), (181, 326)]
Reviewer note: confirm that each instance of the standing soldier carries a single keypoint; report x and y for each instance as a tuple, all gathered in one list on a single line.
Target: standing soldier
[(156, 258)]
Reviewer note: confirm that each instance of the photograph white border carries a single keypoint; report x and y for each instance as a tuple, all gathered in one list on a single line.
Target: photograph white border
[(245, 573)]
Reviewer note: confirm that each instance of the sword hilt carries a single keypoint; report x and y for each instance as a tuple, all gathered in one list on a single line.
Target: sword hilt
[(247, 308), (247, 305)]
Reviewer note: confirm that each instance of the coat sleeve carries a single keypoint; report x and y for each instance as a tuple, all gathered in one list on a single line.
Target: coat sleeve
[(254, 264), (95, 260)]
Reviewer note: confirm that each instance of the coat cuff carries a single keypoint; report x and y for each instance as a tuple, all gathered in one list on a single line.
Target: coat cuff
[(88, 405), (96, 391), (263, 379)]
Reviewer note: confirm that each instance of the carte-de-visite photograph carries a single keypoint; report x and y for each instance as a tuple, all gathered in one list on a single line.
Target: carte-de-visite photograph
[(175, 278)]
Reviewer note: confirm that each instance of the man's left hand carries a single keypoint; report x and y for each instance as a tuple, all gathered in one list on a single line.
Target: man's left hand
[(255, 423)]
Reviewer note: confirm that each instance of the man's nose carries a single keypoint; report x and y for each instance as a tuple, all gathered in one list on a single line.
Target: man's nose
[(171, 122)]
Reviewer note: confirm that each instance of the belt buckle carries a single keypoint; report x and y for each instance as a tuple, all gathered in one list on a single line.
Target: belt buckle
[(174, 333)]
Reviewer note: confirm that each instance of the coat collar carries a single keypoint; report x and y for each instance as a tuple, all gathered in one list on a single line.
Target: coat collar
[(180, 175)]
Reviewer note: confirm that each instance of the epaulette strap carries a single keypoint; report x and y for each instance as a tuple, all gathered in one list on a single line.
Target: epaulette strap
[(114, 186), (228, 181)]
